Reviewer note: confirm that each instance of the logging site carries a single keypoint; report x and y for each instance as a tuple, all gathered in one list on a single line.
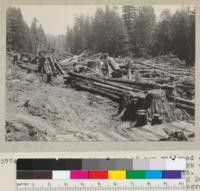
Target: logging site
[(115, 75)]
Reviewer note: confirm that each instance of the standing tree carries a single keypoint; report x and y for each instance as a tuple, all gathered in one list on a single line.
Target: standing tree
[(191, 12), (181, 39), (69, 40), (144, 30), (99, 30), (17, 31), (42, 41), (34, 36), (130, 14), (110, 34), (162, 34)]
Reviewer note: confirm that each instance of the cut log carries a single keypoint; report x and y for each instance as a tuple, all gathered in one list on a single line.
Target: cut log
[(59, 69), (96, 91), (52, 66), (110, 87), (181, 101), (109, 91), (98, 80), (58, 66), (114, 65), (188, 108), (96, 85), (148, 84), (135, 88), (28, 67), (110, 70), (129, 74), (152, 66), (47, 68)]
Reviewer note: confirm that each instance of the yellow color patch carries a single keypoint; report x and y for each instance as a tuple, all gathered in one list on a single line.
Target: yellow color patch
[(116, 174)]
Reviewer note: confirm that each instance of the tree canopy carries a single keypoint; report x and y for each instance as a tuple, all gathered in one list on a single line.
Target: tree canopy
[(136, 32), (20, 37)]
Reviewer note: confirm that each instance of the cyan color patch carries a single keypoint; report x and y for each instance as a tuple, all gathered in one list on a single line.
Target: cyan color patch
[(153, 174)]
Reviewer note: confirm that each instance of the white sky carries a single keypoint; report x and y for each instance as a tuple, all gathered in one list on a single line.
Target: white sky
[(55, 19)]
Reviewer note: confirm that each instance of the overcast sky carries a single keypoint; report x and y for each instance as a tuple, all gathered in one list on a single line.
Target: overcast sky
[(55, 19)]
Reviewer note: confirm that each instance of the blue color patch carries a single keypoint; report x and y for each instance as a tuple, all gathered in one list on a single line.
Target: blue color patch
[(153, 174)]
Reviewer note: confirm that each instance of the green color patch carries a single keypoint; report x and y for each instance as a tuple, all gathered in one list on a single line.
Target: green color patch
[(135, 174)]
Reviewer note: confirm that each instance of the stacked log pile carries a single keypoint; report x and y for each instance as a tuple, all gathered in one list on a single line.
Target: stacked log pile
[(51, 66), (134, 103), (145, 75), (105, 65), (168, 73)]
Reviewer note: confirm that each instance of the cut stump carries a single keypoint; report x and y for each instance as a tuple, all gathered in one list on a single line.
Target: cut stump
[(157, 104)]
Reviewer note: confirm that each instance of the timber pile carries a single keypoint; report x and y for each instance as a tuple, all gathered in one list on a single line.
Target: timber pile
[(182, 77), (143, 75), (134, 104), (51, 66), (149, 85), (102, 64)]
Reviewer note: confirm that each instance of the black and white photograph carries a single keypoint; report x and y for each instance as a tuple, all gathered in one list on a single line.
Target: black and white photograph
[(100, 73)]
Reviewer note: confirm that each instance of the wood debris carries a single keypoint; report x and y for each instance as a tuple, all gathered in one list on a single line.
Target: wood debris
[(147, 91)]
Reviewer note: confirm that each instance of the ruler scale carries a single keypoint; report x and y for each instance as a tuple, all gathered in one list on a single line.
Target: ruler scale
[(106, 186), (101, 175)]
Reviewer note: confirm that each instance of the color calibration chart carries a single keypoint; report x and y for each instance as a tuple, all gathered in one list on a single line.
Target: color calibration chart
[(100, 174)]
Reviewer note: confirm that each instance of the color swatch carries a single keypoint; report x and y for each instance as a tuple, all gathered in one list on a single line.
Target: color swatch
[(110, 174), (101, 164), (65, 169)]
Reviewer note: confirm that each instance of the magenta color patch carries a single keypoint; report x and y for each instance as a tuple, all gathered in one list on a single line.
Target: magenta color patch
[(79, 174)]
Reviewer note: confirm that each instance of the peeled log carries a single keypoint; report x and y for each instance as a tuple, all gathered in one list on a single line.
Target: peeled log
[(157, 103)]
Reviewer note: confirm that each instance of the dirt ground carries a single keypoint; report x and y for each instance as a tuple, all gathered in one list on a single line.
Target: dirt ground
[(36, 111)]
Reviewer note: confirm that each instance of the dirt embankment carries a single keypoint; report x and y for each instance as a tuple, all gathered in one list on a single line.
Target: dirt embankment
[(39, 111)]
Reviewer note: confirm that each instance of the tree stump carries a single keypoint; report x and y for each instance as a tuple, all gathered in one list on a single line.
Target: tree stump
[(141, 118), (157, 104), (130, 112), (132, 104), (123, 102), (157, 119)]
